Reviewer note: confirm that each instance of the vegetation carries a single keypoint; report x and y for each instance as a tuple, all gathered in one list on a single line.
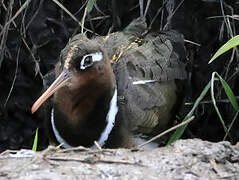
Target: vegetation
[(233, 42), (34, 146)]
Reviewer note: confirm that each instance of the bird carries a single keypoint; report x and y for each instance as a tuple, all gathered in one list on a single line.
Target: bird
[(116, 90)]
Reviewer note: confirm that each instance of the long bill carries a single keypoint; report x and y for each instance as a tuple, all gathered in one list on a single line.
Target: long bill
[(57, 84)]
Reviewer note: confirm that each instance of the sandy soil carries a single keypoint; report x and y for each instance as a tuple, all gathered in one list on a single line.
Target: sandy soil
[(186, 159)]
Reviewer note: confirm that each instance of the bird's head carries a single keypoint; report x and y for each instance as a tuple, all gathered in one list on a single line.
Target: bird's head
[(83, 63)]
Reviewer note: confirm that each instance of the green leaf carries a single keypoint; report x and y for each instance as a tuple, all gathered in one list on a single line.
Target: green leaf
[(229, 93), (233, 42), (178, 133), (90, 5), (34, 147)]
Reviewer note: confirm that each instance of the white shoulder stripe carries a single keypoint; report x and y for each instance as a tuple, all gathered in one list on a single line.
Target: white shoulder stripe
[(57, 134), (110, 119)]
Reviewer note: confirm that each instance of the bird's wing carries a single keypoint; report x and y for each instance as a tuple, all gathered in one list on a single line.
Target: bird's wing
[(145, 71)]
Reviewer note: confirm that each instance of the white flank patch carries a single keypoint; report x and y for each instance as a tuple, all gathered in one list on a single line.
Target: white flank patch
[(57, 134), (143, 82), (110, 119)]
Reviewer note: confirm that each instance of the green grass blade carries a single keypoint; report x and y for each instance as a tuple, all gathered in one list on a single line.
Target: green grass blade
[(178, 133), (34, 147), (215, 105), (233, 121), (90, 5), (229, 93), (71, 15), (233, 42), (88, 9)]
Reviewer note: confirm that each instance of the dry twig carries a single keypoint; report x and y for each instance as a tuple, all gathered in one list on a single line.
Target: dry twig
[(167, 131)]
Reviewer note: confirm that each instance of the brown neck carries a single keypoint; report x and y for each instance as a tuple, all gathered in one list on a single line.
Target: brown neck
[(81, 119)]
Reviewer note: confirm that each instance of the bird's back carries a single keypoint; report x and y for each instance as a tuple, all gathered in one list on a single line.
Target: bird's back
[(146, 106)]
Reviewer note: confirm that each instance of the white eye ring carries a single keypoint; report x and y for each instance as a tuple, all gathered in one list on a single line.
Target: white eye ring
[(98, 56)]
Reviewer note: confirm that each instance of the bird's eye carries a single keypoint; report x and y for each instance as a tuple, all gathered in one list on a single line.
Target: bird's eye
[(89, 59), (86, 62)]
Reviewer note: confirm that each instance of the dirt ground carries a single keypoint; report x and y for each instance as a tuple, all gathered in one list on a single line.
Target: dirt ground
[(185, 159)]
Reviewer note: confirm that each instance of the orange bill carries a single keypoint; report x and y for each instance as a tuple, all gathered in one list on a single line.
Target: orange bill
[(57, 84)]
